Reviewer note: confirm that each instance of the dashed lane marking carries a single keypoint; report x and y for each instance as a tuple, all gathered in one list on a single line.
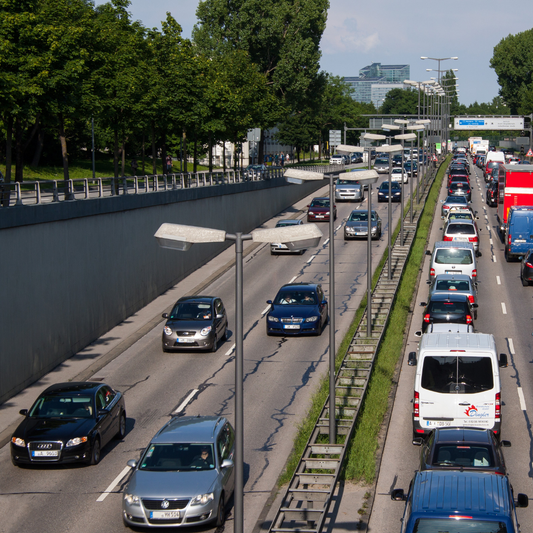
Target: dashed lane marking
[(522, 399), (185, 402), (114, 483), (504, 309), (498, 280)]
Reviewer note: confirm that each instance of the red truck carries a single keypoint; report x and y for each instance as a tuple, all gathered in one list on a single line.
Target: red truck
[(515, 187)]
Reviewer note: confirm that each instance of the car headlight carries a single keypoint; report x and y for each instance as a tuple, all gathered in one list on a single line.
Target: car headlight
[(327, 213), (131, 499), (18, 442), (202, 499), (311, 212), (311, 318), (76, 441), (167, 331), (205, 331), (272, 319), (349, 229), (374, 229)]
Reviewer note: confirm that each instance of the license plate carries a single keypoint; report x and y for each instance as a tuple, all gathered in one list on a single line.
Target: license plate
[(180, 339), (169, 515), (461, 239), (361, 232), (453, 271), (291, 326), (319, 216), (436, 423), (45, 453)]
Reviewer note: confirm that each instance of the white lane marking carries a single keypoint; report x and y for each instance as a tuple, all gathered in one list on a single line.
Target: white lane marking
[(494, 259), (114, 483), (511, 346), (488, 227), (522, 399), (338, 228), (311, 258), (498, 280), (293, 279), (265, 310), (230, 351), (490, 240), (504, 309), (184, 403), (326, 241)]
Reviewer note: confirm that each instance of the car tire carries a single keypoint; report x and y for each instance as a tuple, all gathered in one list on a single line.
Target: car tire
[(95, 452), (225, 337), (221, 512), (215, 345), (475, 315), (525, 283), (506, 254), (121, 426)]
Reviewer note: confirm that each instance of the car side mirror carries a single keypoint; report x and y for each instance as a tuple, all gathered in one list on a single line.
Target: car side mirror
[(23, 412), (398, 495), (226, 463), (132, 463), (423, 304), (220, 315), (505, 443), (428, 252), (474, 306), (418, 334), (522, 500), (165, 315), (103, 412), (269, 302), (418, 441), (411, 359), (503, 360)]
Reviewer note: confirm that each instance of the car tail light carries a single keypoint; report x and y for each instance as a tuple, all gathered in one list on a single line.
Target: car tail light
[(509, 240), (471, 298), (529, 265), (474, 273), (416, 404), (472, 239), (451, 191), (497, 404), (446, 207), (468, 319), (446, 238), (431, 271), (426, 318)]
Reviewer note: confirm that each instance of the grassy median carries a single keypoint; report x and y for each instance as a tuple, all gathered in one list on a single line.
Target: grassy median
[(361, 459)]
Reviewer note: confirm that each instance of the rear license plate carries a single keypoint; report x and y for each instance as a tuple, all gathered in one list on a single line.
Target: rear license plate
[(169, 515), (45, 453), (291, 326), (453, 271), (436, 423), (182, 340)]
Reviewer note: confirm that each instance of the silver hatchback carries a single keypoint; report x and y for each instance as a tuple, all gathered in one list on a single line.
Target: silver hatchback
[(184, 477)]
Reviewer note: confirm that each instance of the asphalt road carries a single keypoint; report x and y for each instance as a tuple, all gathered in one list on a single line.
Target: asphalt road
[(281, 374), (506, 311)]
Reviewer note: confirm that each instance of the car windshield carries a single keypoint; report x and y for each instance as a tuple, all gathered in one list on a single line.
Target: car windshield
[(460, 216), (456, 200), (449, 256), (381, 161), (320, 203), (446, 308), (460, 229), (465, 455), (452, 285), (295, 297), (431, 525), (347, 182), (63, 406), (393, 185), (457, 374), (191, 311), (361, 216), (283, 223), (166, 457)]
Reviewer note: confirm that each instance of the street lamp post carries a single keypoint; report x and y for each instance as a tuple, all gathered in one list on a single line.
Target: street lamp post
[(181, 237)]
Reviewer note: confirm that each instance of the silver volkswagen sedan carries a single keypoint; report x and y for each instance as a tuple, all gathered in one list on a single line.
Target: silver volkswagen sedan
[(184, 476), (357, 225)]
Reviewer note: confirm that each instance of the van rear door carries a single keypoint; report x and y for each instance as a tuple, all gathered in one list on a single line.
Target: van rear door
[(458, 390)]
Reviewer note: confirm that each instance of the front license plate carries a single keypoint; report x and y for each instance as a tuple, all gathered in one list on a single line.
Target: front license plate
[(45, 453), (319, 216), (180, 339), (169, 515), (291, 326)]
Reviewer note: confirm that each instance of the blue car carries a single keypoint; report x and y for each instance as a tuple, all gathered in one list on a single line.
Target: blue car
[(299, 308)]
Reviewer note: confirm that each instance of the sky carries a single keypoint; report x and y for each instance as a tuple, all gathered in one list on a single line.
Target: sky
[(394, 32)]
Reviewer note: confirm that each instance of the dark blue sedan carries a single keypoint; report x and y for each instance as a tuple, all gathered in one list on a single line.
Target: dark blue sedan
[(299, 308), (396, 192)]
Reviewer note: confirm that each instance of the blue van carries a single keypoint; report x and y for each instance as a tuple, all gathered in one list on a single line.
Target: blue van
[(473, 502), (518, 231)]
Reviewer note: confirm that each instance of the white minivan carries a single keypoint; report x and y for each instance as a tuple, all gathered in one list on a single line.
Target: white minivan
[(452, 257), (457, 382)]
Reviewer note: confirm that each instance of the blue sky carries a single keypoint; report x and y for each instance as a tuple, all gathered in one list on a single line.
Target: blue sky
[(397, 32)]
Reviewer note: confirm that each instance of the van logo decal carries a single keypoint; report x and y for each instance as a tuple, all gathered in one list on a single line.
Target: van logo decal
[(473, 412)]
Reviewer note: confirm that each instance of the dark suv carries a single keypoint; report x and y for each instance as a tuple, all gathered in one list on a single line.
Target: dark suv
[(443, 308)]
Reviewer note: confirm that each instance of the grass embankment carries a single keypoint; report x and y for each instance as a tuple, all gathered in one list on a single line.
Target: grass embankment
[(361, 462)]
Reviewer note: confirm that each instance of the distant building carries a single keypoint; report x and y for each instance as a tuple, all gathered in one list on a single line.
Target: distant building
[(376, 80)]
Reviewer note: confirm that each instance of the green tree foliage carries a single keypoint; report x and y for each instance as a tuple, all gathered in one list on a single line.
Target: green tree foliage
[(400, 102), (513, 63)]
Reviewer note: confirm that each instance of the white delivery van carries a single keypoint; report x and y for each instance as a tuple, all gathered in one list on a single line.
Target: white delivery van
[(457, 382)]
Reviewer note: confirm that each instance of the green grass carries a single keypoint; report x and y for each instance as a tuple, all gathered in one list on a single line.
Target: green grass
[(361, 463)]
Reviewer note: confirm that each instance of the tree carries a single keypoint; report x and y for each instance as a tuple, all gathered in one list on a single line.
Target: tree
[(513, 63), (400, 102)]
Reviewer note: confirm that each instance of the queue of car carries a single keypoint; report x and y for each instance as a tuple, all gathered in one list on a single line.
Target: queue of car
[(462, 483)]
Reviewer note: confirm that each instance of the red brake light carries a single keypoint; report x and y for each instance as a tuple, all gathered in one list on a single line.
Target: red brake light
[(529, 265), (460, 517), (431, 271), (446, 207), (497, 404), (472, 239), (446, 238), (509, 241), (416, 404), (471, 298), (426, 318), (451, 191), (468, 319), (474, 273)]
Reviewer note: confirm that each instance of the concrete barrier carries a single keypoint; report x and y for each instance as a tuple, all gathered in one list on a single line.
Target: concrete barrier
[(72, 271)]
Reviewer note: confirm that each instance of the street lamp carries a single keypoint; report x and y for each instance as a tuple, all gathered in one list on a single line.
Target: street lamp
[(181, 237), (439, 59)]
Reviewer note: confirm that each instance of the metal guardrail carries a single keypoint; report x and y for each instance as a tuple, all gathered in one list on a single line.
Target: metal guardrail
[(53, 191), (306, 502)]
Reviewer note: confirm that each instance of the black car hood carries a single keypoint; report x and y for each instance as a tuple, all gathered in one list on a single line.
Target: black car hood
[(54, 428)]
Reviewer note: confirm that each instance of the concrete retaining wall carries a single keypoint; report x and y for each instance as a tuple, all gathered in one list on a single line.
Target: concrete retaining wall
[(73, 270)]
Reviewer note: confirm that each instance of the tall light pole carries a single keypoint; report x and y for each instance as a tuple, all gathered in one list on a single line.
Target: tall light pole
[(181, 237), (439, 59)]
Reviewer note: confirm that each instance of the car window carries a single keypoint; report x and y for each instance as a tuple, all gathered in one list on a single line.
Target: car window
[(219, 308), (177, 456), (191, 311), (460, 229), (320, 203), (109, 394), (463, 455), (225, 443), (447, 308), (100, 399), (452, 285), (446, 374), (449, 256), (78, 406)]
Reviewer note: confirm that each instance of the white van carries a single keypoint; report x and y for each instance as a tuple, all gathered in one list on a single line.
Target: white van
[(452, 257), (457, 382)]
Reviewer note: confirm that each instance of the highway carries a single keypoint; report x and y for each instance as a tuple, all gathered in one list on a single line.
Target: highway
[(506, 311), (281, 375)]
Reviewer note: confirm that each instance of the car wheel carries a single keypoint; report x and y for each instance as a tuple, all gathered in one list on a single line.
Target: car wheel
[(475, 315), (225, 337), (215, 344), (121, 426), (506, 254), (95, 452), (525, 283), (221, 512)]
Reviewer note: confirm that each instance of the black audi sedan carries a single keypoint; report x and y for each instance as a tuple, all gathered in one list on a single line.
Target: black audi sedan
[(69, 423), (446, 308)]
